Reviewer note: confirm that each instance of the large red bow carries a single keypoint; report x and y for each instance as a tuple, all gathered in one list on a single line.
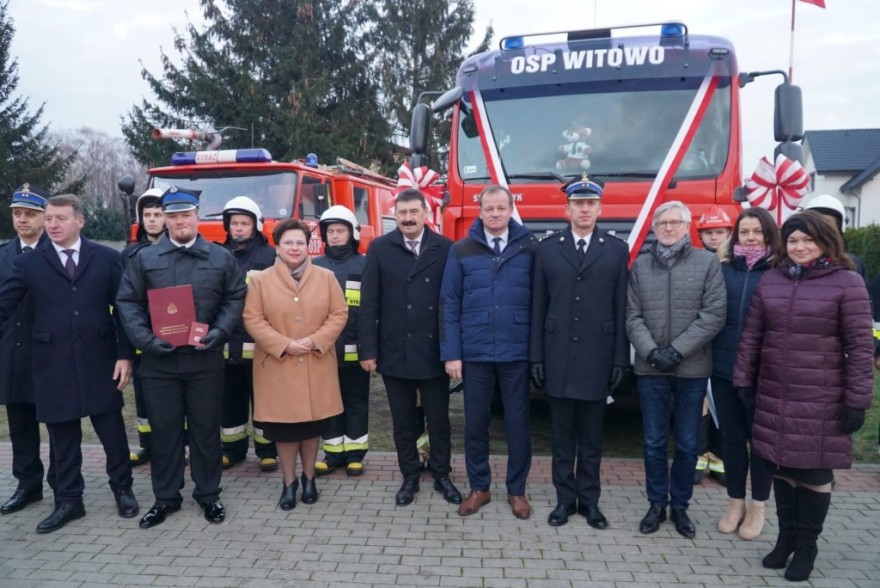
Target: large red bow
[(423, 179), (778, 188)]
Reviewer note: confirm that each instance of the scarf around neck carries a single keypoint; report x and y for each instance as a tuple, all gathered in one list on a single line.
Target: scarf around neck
[(751, 254), (668, 253), (796, 271)]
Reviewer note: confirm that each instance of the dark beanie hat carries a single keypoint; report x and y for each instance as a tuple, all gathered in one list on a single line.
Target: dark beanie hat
[(794, 223)]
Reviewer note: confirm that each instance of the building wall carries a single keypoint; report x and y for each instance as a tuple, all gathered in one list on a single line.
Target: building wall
[(863, 209)]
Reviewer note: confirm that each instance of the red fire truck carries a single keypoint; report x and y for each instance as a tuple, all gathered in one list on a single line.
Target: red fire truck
[(299, 189), (656, 116)]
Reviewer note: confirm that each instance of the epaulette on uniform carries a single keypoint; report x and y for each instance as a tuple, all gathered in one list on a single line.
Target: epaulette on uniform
[(549, 236)]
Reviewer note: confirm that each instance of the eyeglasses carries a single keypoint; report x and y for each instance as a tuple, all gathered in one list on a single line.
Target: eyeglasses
[(672, 224)]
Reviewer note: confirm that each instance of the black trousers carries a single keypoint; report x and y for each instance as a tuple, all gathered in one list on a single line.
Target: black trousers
[(576, 435), (238, 402), (194, 398), (24, 433), (65, 441), (353, 424), (404, 415), (143, 423)]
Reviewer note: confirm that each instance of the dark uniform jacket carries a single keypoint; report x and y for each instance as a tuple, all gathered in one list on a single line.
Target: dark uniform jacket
[(579, 313), (218, 287), (257, 255), (486, 300), (400, 298), (349, 271), (76, 335), (16, 378)]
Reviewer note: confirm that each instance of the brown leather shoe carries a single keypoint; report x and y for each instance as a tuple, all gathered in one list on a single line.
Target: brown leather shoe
[(473, 502), (520, 506)]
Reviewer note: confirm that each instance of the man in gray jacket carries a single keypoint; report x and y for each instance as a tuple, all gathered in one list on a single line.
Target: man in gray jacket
[(676, 304)]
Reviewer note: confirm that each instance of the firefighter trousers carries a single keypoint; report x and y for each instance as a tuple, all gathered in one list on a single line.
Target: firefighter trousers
[(238, 401), (346, 439)]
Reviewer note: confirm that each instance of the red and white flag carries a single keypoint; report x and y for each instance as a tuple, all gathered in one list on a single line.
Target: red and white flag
[(819, 3)]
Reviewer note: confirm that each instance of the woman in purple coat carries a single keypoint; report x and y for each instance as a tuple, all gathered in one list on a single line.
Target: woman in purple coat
[(806, 360)]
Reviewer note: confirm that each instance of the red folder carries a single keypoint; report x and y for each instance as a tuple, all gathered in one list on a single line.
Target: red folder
[(172, 313)]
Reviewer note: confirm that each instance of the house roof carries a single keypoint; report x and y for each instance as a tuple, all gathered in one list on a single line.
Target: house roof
[(844, 150)]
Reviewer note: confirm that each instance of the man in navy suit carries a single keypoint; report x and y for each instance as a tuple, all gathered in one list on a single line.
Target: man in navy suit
[(82, 359), (579, 349), (28, 208)]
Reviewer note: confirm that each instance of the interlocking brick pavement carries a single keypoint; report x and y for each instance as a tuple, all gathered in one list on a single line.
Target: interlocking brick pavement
[(356, 536)]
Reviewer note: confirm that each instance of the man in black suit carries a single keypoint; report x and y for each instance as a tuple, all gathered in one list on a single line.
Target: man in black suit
[(16, 379), (84, 358), (400, 338), (183, 384), (579, 351)]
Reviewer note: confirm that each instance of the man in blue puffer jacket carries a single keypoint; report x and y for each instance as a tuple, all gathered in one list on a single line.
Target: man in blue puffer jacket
[(485, 315)]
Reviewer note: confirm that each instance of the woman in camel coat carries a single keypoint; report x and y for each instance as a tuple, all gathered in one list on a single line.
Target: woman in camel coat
[(295, 311)]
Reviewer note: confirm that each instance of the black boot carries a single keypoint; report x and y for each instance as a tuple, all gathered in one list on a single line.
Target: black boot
[(812, 508), (288, 496), (310, 491), (786, 512)]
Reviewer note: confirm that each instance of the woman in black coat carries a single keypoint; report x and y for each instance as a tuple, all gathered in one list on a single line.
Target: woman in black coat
[(753, 249)]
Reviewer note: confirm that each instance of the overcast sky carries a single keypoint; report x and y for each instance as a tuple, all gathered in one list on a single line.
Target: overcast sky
[(81, 57)]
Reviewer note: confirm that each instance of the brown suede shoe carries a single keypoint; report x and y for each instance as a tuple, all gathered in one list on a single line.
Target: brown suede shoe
[(473, 502), (520, 506)]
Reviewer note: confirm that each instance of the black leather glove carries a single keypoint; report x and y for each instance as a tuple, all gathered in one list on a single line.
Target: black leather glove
[(159, 347), (617, 375), (537, 374), (747, 397), (853, 419), (664, 360), (214, 339)]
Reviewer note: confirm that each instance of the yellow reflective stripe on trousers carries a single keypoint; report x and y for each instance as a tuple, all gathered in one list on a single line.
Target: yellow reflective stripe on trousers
[(334, 445), (143, 426), (350, 353), (232, 434), (359, 444)]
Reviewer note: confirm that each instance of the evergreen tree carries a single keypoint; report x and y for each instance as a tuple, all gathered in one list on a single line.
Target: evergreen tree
[(417, 46), (284, 71), (26, 153)]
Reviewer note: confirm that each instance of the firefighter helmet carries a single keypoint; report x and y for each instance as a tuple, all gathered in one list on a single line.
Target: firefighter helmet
[(152, 196), (242, 205), (828, 205), (339, 214), (714, 218)]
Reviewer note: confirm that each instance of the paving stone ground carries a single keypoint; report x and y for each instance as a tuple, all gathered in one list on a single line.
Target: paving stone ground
[(356, 536)]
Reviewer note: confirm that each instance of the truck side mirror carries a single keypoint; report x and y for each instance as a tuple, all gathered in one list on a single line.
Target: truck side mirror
[(788, 113), (739, 194), (793, 151), (418, 131)]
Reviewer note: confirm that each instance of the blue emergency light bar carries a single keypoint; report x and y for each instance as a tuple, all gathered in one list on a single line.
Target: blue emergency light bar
[(258, 155)]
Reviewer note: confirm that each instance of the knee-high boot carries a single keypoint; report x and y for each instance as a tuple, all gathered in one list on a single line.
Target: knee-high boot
[(812, 508), (786, 513)]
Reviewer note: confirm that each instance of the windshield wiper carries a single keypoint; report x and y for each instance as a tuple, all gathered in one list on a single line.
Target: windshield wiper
[(541, 175), (624, 174)]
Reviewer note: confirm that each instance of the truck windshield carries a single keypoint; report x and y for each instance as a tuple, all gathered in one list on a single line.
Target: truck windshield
[(273, 192), (621, 128)]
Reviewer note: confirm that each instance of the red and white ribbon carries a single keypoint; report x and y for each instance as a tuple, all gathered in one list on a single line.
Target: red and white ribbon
[(670, 164), (424, 180), (778, 188)]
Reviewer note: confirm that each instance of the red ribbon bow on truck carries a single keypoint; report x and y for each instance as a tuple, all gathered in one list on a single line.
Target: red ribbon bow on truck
[(423, 179), (778, 188)]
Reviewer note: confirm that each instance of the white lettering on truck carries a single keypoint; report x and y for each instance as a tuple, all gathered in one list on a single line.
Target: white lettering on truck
[(589, 58)]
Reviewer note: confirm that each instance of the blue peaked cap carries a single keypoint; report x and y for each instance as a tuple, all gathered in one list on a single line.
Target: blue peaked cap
[(584, 187), (180, 199), (28, 196)]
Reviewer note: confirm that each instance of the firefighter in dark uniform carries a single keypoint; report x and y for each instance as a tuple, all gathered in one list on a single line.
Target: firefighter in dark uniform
[(183, 384), (151, 226), (16, 380), (243, 223), (346, 439)]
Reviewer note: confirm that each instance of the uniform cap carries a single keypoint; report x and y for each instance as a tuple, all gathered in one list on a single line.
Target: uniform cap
[(176, 199), (584, 187), (28, 196)]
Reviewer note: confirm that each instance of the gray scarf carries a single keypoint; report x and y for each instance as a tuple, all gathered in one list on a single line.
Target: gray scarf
[(667, 254)]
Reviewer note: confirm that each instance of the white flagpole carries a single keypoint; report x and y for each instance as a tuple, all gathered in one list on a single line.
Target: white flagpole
[(791, 45)]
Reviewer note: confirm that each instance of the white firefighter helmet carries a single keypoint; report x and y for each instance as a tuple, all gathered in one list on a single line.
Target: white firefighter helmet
[(153, 195), (827, 204), (339, 214), (242, 205)]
